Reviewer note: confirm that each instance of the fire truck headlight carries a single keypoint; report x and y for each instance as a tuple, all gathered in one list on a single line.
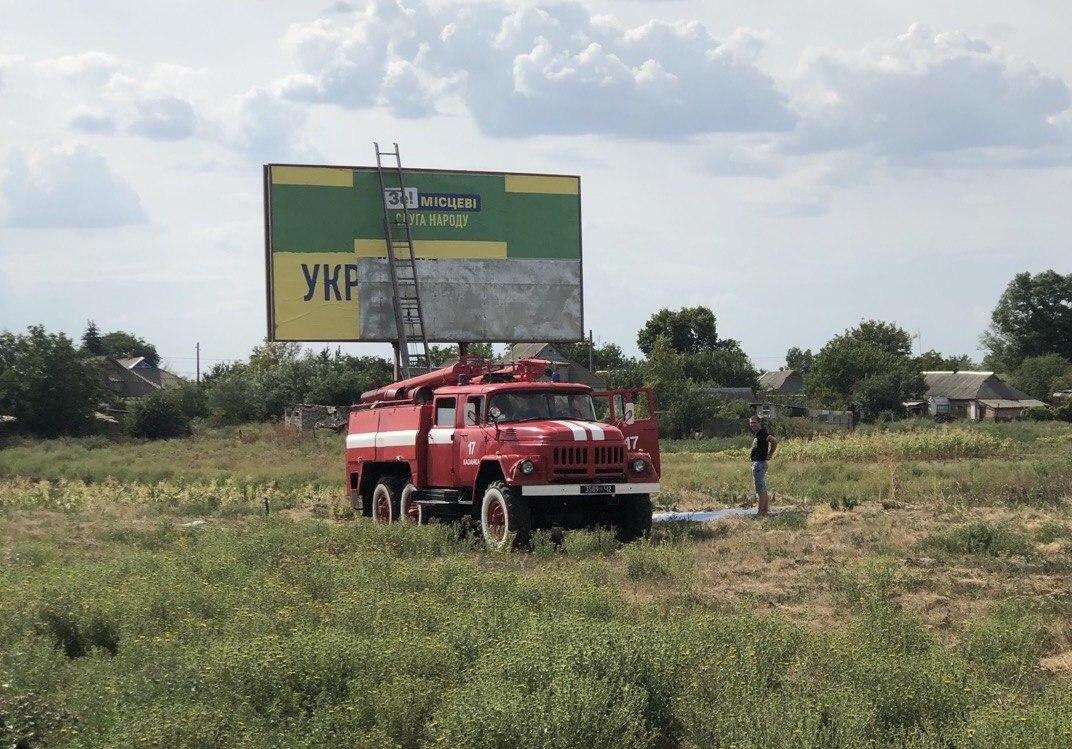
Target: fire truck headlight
[(527, 467), (640, 466)]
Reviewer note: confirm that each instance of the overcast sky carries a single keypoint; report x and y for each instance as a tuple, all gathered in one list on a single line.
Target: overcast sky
[(794, 166)]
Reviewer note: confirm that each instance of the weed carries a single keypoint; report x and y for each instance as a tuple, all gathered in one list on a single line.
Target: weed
[(981, 538), (1006, 645), (599, 542), (793, 520), (1051, 531), (647, 561)]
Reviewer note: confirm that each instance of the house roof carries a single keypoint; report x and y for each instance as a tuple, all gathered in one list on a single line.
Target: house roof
[(775, 380), (1005, 403), (524, 351), (731, 393), (971, 386), (130, 362)]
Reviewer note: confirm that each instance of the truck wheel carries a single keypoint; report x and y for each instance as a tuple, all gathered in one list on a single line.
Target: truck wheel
[(504, 517), (633, 517), (385, 500), (409, 509)]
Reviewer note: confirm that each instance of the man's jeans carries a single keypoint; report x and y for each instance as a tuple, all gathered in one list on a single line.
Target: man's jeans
[(759, 475)]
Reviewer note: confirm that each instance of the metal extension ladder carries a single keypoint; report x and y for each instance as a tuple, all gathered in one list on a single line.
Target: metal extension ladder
[(409, 319)]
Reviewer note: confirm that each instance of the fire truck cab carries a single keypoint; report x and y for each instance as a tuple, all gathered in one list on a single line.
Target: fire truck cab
[(508, 446)]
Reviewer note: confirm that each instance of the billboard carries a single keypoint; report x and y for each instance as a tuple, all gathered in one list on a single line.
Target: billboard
[(498, 255)]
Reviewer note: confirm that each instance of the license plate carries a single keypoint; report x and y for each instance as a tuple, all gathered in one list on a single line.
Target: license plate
[(597, 488)]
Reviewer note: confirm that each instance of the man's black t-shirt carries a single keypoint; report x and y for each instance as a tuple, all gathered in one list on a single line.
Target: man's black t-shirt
[(760, 446)]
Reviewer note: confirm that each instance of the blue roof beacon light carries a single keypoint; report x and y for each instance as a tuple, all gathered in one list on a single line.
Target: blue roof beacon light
[(556, 377)]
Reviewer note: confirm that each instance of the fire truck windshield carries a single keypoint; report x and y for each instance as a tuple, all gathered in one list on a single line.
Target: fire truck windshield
[(540, 404)]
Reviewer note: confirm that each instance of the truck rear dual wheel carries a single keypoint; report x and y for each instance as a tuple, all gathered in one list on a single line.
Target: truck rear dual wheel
[(505, 519), (633, 517), (393, 499)]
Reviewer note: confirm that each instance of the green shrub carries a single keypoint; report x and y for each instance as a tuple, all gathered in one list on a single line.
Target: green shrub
[(981, 538), (1050, 531), (647, 561), (158, 415), (1039, 413), (793, 520), (1006, 646), (599, 542)]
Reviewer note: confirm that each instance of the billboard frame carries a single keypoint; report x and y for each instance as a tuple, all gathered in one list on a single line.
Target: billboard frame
[(269, 279)]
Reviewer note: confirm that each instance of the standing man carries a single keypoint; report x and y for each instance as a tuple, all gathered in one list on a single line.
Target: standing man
[(763, 447)]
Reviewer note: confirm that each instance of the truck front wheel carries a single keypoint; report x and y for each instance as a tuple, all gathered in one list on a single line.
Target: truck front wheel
[(504, 517), (633, 517), (386, 498)]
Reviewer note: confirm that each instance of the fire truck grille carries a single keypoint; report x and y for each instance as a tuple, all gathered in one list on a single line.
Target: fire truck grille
[(571, 457), (576, 460)]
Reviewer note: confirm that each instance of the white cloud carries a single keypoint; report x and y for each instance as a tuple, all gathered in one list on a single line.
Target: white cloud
[(89, 120), (534, 71), (164, 118), (67, 187), (926, 93), (84, 67), (7, 62), (156, 104), (265, 127)]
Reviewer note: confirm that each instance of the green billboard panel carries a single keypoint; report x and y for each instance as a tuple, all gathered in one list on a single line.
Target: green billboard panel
[(498, 254)]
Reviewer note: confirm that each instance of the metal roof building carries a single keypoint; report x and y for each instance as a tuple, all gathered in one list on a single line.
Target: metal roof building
[(978, 395)]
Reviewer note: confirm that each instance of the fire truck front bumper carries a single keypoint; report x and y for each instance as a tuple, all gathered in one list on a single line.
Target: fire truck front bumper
[(596, 489)]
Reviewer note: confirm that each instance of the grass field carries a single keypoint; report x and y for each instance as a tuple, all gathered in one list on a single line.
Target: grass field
[(915, 591)]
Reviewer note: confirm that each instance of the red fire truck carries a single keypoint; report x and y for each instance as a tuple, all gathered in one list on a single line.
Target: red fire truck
[(508, 446)]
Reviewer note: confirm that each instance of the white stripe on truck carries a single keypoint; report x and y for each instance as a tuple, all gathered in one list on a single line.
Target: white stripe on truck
[(440, 435), (597, 430), (400, 438), (580, 434)]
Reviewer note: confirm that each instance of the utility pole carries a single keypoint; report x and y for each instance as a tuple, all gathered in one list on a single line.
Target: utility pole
[(591, 351), (197, 356)]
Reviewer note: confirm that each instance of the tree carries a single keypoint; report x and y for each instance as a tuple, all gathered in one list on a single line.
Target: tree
[(1041, 376), (278, 374), (120, 344), (605, 357), (687, 330), (728, 367), (440, 356), (866, 367), (91, 340), (1033, 317), (935, 361), (799, 360), (884, 336), (47, 384)]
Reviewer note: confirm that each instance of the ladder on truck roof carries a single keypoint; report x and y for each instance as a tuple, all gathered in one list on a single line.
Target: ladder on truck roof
[(409, 319)]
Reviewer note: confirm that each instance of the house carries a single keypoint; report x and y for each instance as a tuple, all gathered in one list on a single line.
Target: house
[(979, 396), (782, 382), (731, 394), (568, 370), (134, 377)]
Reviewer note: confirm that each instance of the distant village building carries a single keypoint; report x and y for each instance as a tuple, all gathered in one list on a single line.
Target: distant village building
[(731, 394), (782, 382), (135, 377), (979, 396), (312, 416), (568, 370)]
